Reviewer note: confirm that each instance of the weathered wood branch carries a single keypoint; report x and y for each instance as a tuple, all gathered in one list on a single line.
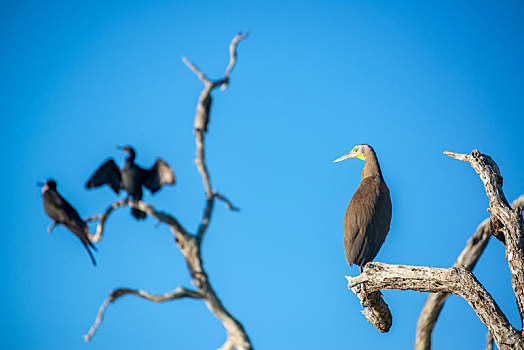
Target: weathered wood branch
[(178, 293), (237, 336), (200, 126), (190, 244), (459, 281), (102, 218), (205, 101), (230, 205), (505, 223), (502, 215), (375, 309), (232, 58), (468, 259)]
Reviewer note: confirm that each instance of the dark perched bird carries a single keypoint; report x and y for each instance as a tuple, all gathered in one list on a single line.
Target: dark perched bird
[(368, 215), (61, 212), (131, 178)]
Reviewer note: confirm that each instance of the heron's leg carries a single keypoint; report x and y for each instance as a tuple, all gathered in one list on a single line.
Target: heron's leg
[(363, 285)]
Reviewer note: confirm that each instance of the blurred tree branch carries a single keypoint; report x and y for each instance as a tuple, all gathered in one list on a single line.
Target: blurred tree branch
[(505, 222), (189, 244), (117, 293)]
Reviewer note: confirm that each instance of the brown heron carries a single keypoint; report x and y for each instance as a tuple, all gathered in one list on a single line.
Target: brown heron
[(61, 212), (368, 215), (131, 178)]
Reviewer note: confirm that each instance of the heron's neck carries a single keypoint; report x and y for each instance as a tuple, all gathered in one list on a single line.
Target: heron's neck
[(371, 168)]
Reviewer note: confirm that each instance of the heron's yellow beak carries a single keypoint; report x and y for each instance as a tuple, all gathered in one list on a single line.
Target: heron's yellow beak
[(352, 154)]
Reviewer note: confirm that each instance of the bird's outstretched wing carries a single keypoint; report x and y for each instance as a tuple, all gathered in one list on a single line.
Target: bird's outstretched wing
[(160, 174), (108, 173)]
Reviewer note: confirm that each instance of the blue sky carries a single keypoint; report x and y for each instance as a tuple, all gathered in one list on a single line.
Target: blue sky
[(314, 79)]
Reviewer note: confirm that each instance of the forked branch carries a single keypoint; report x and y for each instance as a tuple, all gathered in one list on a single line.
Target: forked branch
[(178, 293), (502, 215), (459, 281), (468, 259), (506, 223), (189, 244), (102, 218), (237, 336)]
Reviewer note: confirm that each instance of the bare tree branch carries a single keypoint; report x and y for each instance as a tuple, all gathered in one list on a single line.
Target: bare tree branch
[(205, 100), (228, 345), (375, 309), (237, 337), (200, 126), (208, 210), (102, 218), (189, 244), (459, 281), (501, 213), (232, 57), (225, 200), (468, 259), (197, 71), (178, 293)]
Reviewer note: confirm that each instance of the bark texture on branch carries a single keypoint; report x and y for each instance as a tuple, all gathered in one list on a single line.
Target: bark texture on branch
[(502, 215), (459, 281), (375, 309), (467, 259), (188, 243)]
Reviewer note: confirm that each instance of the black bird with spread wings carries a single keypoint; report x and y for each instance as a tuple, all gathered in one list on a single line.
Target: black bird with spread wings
[(368, 215), (61, 212), (131, 178)]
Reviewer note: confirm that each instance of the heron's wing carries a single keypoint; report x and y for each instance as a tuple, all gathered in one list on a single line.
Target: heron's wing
[(109, 174), (378, 227), (160, 174), (366, 222)]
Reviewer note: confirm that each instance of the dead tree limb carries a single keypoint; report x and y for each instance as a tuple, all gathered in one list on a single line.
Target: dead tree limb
[(102, 220), (117, 293), (505, 222), (237, 337), (188, 243), (375, 309), (467, 259), (459, 281), (503, 216)]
